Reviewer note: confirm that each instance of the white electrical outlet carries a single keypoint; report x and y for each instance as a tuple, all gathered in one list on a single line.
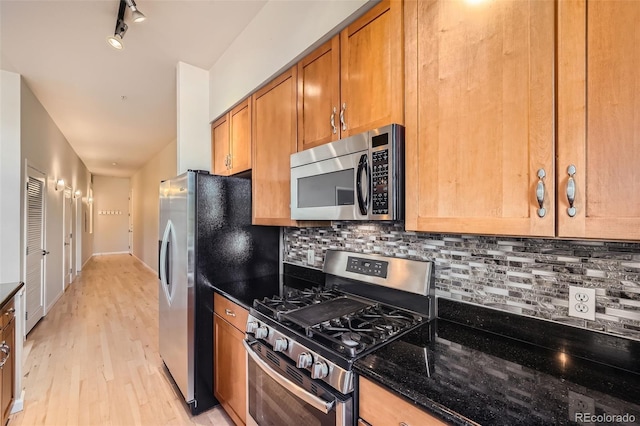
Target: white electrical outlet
[(582, 302), (311, 255)]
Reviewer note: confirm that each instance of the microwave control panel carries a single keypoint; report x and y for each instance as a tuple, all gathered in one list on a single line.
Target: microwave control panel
[(380, 175)]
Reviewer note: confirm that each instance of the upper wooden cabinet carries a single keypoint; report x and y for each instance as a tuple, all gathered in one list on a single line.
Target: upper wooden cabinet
[(480, 116), (274, 140), (231, 141), (354, 82), (599, 119)]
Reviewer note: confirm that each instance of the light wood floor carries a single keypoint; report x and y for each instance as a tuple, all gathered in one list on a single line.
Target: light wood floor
[(93, 360)]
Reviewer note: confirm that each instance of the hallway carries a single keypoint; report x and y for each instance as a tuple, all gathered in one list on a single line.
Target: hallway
[(93, 360)]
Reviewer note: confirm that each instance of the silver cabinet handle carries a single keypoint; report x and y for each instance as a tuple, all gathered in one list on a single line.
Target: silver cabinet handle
[(334, 129), (7, 351), (571, 190), (230, 312), (540, 193), (342, 110), (10, 311)]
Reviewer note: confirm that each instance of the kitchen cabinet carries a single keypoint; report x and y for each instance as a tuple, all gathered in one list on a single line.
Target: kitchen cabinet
[(378, 406), (480, 117), (7, 359), (598, 119), (231, 141), (274, 140), (354, 82), (230, 357)]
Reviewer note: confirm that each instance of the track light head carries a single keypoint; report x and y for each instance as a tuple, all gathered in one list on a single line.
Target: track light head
[(116, 40), (135, 13)]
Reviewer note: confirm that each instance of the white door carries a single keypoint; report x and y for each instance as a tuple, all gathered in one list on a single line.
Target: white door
[(67, 229), (34, 282), (130, 222)]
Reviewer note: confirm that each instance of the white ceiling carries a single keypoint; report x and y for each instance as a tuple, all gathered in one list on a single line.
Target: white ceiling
[(60, 49)]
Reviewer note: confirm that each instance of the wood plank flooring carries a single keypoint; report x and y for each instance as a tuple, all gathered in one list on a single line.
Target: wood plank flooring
[(93, 360)]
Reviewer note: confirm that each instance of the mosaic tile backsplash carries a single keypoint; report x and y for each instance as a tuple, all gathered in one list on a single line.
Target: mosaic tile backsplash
[(521, 275)]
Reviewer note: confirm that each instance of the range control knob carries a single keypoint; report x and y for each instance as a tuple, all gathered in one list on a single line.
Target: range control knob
[(319, 370), (252, 326), (304, 360), (262, 332), (280, 345)]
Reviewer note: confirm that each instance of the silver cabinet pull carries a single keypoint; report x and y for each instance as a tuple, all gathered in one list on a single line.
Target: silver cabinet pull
[(10, 311), (230, 312), (7, 351), (540, 193), (333, 121), (342, 110), (571, 190)]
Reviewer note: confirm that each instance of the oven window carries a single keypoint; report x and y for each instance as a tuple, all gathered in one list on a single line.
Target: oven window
[(328, 189), (272, 405)]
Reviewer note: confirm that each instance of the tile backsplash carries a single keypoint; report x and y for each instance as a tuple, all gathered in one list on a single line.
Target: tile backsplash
[(525, 276)]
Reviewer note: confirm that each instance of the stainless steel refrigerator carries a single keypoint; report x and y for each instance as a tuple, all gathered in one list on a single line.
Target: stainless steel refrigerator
[(206, 237)]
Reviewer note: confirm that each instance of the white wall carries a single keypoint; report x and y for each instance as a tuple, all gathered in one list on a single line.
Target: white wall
[(110, 215), (194, 137), (46, 148), (10, 178), (145, 186), (276, 38)]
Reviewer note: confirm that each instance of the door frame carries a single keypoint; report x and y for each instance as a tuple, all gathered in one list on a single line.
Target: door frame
[(67, 229)]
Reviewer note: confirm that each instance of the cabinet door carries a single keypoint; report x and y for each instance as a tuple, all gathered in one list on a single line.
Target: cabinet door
[(274, 140), (8, 371), (230, 369), (372, 72), (220, 146), (240, 137), (599, 119), (379, 407), (319, 96), (480, 111)]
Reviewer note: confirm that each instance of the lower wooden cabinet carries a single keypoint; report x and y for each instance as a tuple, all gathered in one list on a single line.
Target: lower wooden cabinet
[(7, 360), (230, 358), (379, 407)]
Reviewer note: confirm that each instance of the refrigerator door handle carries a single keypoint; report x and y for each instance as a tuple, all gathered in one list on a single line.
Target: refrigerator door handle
[(164, 267)]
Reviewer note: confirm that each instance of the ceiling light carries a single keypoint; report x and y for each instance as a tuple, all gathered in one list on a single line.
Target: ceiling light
[(135, 13), (115, 40)]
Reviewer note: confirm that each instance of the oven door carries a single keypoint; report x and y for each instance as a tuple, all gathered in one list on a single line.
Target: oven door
[(333, 188), (280, 394)]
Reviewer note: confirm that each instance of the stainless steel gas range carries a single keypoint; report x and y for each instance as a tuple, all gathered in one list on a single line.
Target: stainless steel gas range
[(302, 343)]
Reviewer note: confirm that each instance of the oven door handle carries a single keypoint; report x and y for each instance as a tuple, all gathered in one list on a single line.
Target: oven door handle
[(317, 403)]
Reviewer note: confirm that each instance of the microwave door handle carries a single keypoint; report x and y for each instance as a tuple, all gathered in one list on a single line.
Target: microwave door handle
[(316, 402), (362, 167)]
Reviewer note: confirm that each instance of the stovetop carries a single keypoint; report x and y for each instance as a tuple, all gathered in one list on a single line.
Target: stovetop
[(346, 324)]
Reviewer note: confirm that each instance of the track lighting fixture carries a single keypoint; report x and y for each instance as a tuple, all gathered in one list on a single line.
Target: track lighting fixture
[(115, 40), (135, 13)]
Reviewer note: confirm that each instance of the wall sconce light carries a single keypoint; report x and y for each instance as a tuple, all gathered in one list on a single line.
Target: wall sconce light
[(115, 40), (90, 200), (59, 184), (77, 194)]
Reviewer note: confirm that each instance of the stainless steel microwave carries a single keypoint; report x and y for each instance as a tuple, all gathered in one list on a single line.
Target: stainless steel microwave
[(356, 178)]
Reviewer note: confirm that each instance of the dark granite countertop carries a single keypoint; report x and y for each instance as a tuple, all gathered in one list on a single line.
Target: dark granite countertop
[(246, 291), (8, 290), (467, 371)]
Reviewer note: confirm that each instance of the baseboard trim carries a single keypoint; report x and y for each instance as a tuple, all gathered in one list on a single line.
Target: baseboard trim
[(18, 403), (144, 264), (111, 252)]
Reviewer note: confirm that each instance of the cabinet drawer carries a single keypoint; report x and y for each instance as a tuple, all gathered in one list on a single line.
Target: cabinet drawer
[(7, 313), (235, 314), (380, 407)]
